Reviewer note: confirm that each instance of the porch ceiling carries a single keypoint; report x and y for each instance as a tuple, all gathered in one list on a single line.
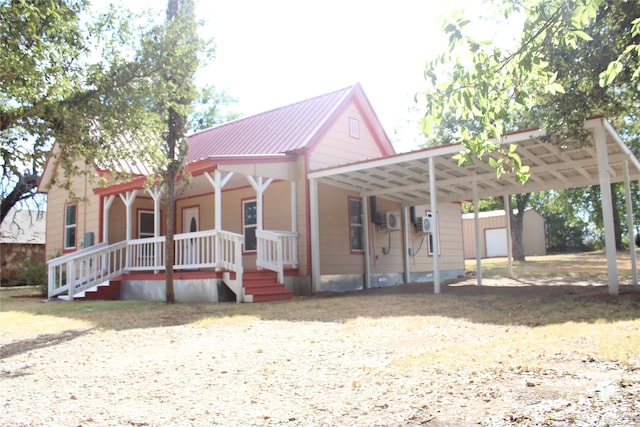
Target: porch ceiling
[(404, 178)]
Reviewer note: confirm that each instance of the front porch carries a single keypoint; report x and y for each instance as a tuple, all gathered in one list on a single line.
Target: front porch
[(208, 267)]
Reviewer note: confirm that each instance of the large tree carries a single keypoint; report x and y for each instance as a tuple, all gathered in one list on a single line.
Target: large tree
[(492, 87), (575, 59), (87, 81), (83, 83), (178, 50)]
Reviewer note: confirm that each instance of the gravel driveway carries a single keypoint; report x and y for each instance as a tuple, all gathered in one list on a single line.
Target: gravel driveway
[(255, 372)]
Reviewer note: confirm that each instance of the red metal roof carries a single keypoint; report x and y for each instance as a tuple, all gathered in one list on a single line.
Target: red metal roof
[(278, 131)]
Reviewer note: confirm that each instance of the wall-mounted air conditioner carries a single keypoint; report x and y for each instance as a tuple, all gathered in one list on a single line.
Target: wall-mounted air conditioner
[(426, 224), (390, 221)]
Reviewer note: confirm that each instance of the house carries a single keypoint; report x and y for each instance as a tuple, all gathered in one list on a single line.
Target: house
[(493, 234), (246, 213), (22, 238), (306, 198)]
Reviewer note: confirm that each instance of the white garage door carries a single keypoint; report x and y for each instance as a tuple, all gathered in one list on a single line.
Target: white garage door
[(496, 242)]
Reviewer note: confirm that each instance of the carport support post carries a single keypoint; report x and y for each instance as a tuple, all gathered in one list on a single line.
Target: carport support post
[(476, 225), (507, 211), (632, 247), (607, 209), (433, 203), (314, 234)]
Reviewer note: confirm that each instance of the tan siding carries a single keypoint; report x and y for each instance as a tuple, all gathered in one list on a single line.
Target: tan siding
[(301, 210), (206, 212), (88, 214), (277, 207), (450, 228), (385, 247), (337, 147), (335, 251)]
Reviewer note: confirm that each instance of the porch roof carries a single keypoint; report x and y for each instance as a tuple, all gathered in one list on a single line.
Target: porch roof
[(404, 178)]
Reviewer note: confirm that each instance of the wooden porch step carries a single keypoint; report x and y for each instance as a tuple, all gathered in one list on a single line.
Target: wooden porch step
[(110, 291), (263, 285)]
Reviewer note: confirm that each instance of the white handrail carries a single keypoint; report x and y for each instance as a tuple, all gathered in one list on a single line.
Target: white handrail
[(78, 271), (73, 273), (277, 249)]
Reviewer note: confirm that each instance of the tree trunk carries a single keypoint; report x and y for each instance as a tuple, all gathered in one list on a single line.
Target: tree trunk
[(24, 189), (517, 224), (170, 182)]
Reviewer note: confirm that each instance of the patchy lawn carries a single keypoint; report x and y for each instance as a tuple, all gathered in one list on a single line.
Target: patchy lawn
[(534, 351)]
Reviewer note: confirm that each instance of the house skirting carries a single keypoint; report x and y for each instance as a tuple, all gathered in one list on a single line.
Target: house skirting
[(186, 290), (355, 282)]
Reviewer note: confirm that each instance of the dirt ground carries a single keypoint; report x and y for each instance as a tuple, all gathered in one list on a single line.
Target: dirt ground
[(272, 372)]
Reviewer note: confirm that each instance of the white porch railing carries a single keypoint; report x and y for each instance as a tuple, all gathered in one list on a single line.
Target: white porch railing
[(204, 249), (81, 270), (277, 249)]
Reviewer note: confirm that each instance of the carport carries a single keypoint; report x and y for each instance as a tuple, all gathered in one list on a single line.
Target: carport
[(432, 176)]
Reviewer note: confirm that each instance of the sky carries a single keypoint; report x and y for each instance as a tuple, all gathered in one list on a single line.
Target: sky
[(276, 52)]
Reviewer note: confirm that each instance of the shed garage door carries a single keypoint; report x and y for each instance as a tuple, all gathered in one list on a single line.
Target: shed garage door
[(496, 242)]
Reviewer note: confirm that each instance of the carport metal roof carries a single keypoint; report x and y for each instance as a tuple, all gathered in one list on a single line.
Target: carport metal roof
[(405, 178)]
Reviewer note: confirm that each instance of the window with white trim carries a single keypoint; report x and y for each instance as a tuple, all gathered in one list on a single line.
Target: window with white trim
[(356, 226), (250, 224), (354, 128), (70, 225)]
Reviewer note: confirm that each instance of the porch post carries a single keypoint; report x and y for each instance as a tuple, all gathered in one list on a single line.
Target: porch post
[(507, 213), (128, 198), (607, 209), (314, 234), (105, 217), (156, 192), (218, 183), (259, 186), (476, 226), (632, 245), (433, 203)]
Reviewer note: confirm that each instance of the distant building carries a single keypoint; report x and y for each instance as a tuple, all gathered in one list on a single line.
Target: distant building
[(493, 234), (22, 239)]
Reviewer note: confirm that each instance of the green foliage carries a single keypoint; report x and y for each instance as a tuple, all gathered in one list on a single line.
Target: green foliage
[(567, 228), (95, 83), (33, 273), (213, 108), (477, 90)]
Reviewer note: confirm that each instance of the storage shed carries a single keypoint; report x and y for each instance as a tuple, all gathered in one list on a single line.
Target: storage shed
[(493, 233)]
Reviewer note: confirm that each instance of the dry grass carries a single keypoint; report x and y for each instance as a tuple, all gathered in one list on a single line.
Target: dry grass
[(479, 332), (576, 265)]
